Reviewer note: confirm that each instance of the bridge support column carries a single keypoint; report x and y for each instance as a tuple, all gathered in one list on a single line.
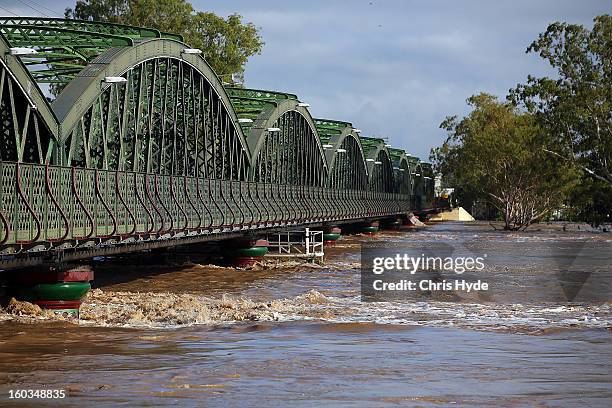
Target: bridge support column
[(370, 228), (331, 234), (246, 252), (392, 223), (412, 221), (59, 290)]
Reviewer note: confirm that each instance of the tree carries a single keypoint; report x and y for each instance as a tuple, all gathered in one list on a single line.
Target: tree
[(591, 201), (495, 152), (98, 10), (227, 44), (575, 107)]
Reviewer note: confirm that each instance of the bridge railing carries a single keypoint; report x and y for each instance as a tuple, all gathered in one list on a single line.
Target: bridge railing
[(53, 204)]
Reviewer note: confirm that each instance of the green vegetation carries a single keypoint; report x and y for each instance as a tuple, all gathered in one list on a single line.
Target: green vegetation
[(495, 153), (551, 144), (227, 43)]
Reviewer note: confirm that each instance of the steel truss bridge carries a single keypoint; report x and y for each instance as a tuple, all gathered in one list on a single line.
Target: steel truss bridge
[(144, 146)]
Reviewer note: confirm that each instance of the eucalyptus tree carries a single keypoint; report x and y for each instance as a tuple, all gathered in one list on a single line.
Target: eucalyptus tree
[(575, 106), (227, 43), (495, 153)]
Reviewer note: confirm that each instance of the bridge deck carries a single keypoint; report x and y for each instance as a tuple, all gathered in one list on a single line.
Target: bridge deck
[(75, 212)]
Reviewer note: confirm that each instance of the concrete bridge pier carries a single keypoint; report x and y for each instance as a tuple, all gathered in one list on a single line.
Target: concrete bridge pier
[(412, 221), (331, 234), (245, 252), (370, 227), (60, 289), (393, 223)]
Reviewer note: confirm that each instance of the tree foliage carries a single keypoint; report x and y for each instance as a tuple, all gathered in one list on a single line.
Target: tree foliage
[(576, 106), (227, 43), (496, 152)]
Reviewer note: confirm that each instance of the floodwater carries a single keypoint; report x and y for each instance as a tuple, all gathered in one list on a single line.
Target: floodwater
[(294, 335)]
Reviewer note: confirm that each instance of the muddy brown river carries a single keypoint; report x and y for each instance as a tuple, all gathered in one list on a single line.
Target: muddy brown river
[(192, 334)]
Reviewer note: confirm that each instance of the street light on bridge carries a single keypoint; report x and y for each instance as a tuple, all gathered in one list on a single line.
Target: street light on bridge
[(17, 51), (114, 80), (191, 51)]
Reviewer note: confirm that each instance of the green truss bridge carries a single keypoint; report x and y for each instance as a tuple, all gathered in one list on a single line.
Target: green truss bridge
[(145, 147)]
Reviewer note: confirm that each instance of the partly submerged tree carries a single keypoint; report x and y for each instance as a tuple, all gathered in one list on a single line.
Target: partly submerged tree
[(227, 43), (576, 106), (591, 201), (496, 153)]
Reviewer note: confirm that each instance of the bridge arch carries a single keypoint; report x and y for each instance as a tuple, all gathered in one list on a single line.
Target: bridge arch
[(380, 169), (282, 138), (344, 155), (170, 115), (427, 193), (401, 171), (418, 187)]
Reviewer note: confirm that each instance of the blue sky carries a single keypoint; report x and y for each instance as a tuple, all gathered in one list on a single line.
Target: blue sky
[(392, 68)]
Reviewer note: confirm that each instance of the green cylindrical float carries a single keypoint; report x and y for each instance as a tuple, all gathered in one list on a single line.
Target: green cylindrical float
[(370, 228), (330, 239), (53, 291), (331, 234), (245, 257), (253, 251), (59, 291)]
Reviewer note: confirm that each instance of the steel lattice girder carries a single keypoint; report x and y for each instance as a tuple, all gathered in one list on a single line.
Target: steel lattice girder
[(380, 169), (282, 139), (64, 47), (344, 154), (170, 117), (63, 51), (32, 112), (248, 103), (91, 26), (87, 87), (331, 127), (260, 94), (24, 136), (401, 171)]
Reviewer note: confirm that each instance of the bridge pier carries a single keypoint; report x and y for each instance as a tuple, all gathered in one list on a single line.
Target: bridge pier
[(391, 223), (331, 234), (245, 252), (370, 227), (412, 221), (58, 289)]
